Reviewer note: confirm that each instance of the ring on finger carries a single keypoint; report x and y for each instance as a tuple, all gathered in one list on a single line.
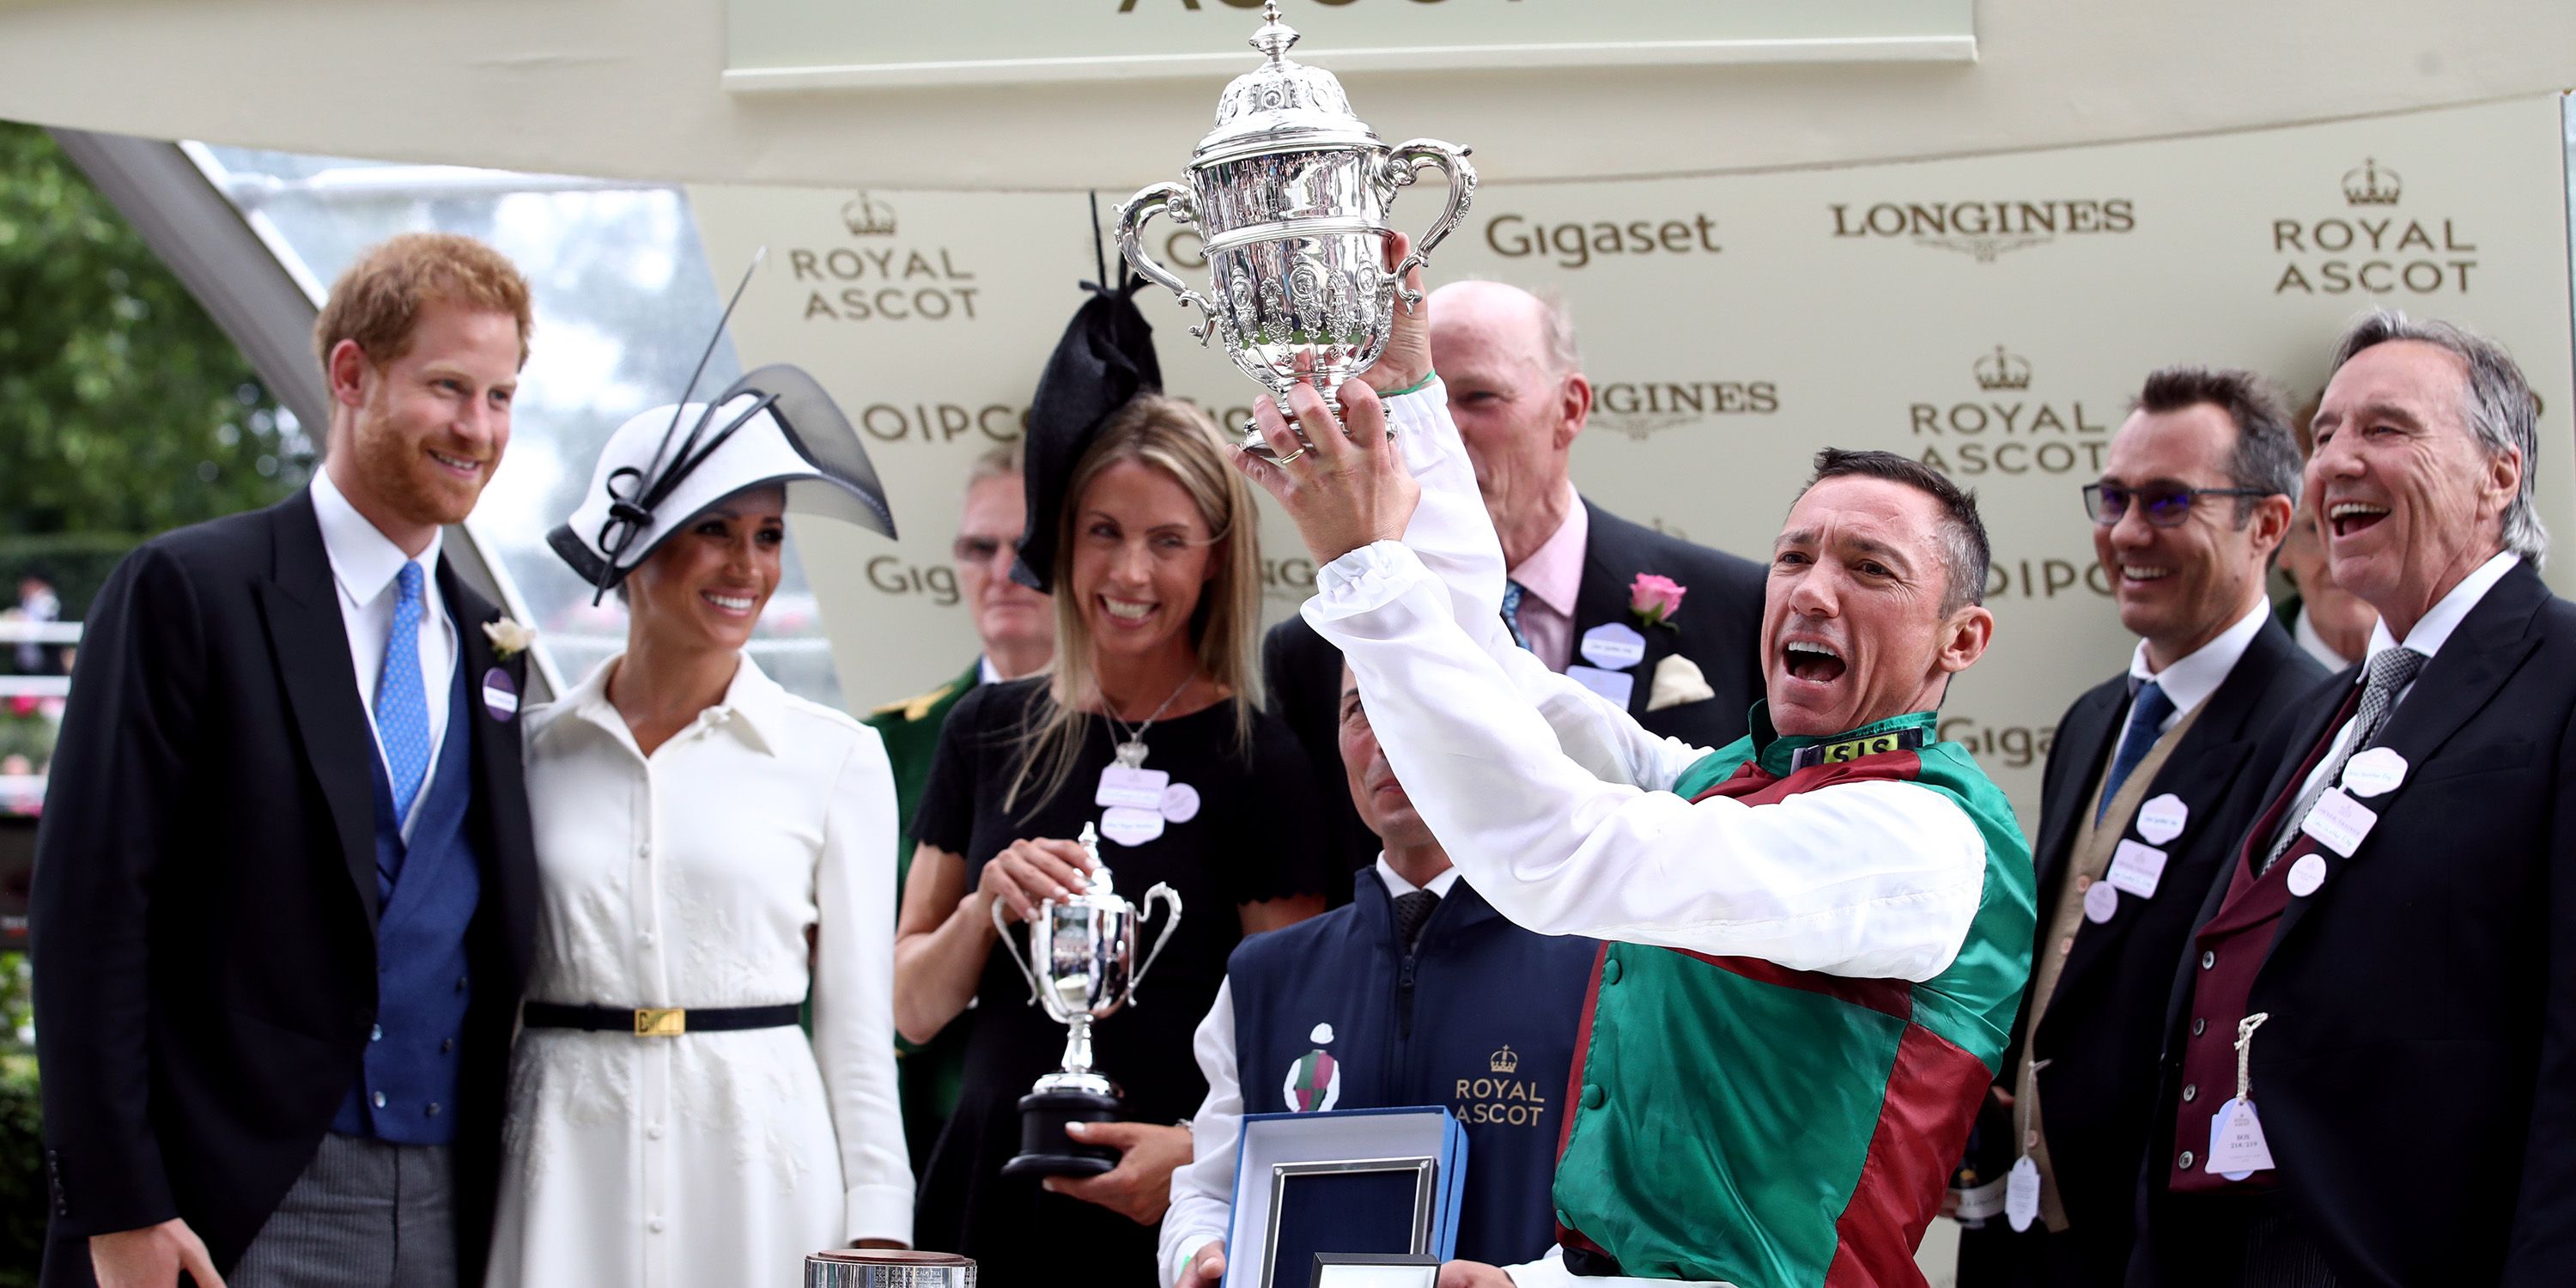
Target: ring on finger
[(1292, 456)]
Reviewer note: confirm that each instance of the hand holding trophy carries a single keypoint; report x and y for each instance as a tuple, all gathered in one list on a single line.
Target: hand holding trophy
[(1081, 966), (1290, 194)]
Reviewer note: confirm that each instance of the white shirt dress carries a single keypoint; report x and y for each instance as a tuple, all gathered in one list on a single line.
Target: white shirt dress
[(692, 878)]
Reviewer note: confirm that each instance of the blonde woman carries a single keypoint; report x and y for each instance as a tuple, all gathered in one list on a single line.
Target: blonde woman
[(1157, 581), (712, 850)]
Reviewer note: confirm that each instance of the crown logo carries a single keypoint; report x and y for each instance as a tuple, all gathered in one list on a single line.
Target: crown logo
[(868, 218), (2003, 369), (2372, 185), (1504, 1061)]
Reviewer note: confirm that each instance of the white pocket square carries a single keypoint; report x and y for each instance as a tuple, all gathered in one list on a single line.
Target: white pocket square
[(1677, 680)]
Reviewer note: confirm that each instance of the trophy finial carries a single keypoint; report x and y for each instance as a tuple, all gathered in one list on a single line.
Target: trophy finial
[(1275, 38), (1101, 883)]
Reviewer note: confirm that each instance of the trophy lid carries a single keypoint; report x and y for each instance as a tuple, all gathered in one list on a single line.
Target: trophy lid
[(1282, 105)]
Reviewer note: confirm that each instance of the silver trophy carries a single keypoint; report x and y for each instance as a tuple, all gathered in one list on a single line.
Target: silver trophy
[(888, 1268), (1289, 194), (1081, 966)]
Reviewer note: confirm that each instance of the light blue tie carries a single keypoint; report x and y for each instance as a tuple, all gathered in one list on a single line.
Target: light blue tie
[(1512, 612), (2146, 723), (402, 708)]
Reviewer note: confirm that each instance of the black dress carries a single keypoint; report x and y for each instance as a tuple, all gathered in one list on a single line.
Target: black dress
[(1249, 842)]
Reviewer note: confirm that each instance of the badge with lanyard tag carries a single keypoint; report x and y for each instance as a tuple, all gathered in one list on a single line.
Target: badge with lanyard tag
[(2236, 1145), (2021, 1184)]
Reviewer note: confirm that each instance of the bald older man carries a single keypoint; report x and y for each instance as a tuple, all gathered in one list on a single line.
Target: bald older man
[(1519, 396)]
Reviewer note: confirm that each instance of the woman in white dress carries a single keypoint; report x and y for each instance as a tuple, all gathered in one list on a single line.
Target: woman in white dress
[(710, 846)]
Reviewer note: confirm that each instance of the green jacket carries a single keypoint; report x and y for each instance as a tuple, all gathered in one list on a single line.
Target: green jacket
[(930, 1075)]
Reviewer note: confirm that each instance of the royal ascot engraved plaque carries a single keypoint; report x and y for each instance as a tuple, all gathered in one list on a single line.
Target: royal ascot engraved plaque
[(1289, 195), (1081, 966)]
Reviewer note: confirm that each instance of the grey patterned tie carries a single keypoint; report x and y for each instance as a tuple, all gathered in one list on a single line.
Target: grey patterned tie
[(2388, 673)]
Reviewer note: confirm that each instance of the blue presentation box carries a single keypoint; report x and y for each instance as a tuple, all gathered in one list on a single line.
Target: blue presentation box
[(1342, 1181)]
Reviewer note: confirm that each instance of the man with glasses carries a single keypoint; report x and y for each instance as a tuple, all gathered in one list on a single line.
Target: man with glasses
[(1016, 627), (2197, 496)]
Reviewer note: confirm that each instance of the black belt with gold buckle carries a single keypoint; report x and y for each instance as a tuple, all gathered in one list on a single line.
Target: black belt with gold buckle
[(657, 1021)]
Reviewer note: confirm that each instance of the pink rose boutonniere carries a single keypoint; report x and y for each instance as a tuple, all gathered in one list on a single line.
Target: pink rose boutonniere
[(1656, 600)]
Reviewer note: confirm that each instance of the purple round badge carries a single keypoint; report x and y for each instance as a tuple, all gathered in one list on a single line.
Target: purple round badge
[(500, 695)]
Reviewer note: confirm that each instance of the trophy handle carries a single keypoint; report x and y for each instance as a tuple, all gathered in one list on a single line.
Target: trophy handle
[(1171, 922), (1004, 930), (1163, 199), (1402, 164)]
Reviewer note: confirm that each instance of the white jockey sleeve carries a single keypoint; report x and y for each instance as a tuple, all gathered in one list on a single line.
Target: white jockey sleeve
[(1871, 880), (1453, 536), (1203, 1188)]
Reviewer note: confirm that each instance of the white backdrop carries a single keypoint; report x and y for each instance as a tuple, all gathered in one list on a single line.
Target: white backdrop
[(1990, 316)]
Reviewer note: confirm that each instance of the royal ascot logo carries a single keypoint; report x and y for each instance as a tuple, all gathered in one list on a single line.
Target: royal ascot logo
[(1986, 230), (1575, 245), (2372, 186), (868, 218), (879, 282), (1504, 1098), (2369, 248), (1641, 409), (2004, 431)]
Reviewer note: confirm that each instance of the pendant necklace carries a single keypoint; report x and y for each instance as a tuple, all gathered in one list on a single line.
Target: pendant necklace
[(1128, 743)]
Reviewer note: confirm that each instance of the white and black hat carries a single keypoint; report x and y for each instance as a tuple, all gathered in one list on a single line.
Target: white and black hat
[(664, 468)]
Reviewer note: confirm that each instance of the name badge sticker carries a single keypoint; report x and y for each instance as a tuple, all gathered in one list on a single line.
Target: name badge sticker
[(2375, 772), (1180, 803), (500, 695), (2162, 819), (1613, 646), (2307, 874), (1128, 788), (2101, 903), (2339, 822), (1616, 686), (2137, 869), (1129, 826)]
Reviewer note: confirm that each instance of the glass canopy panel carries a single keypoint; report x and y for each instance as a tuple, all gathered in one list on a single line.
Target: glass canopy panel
[(624, 301)]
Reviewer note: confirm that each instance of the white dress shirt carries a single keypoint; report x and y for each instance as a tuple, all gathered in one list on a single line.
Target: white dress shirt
[(363, 567), (2197, 674), (691, 878), (1203, 1188), (2427, 638), (1558, 809)]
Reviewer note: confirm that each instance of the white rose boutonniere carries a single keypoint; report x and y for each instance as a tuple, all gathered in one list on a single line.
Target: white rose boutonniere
[(509, 638)]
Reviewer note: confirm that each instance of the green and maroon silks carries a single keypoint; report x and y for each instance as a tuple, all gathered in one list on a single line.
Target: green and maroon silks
[(1313, 1079), (1735, 1120)]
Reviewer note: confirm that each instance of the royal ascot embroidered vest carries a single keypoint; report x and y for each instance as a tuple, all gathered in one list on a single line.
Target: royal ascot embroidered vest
[(1736, 1120), (407, 1080), (1330, 1014)]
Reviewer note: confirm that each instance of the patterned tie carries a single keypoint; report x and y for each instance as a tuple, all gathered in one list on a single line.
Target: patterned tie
[(1512, 612), (2387, 673), (1411, 910), (402, 708), (2147, 716)]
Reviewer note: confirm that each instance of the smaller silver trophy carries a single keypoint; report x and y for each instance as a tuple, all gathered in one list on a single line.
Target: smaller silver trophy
[(888, 1268), (1081, 966), (1289, 194)]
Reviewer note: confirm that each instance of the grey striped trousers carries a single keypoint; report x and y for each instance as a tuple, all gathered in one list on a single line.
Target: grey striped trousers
[(365, 1214)]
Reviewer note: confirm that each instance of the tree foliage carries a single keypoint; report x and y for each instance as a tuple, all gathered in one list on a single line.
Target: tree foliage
[(124, 409)]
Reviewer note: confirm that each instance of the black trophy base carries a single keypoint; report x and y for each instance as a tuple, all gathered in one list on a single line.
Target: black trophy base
[(1044, 1148)]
